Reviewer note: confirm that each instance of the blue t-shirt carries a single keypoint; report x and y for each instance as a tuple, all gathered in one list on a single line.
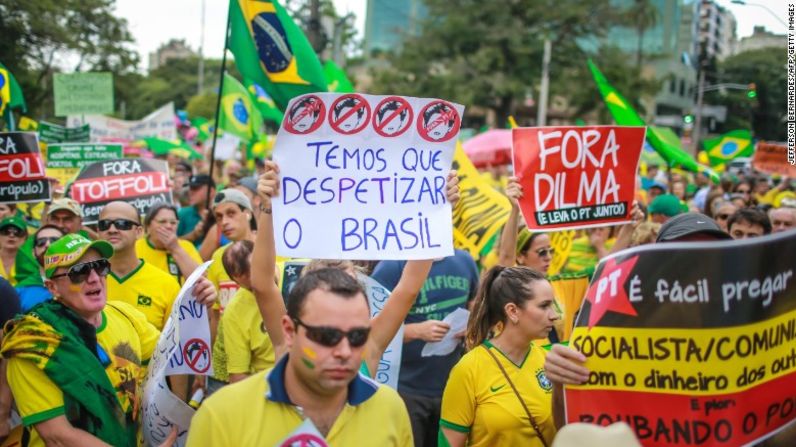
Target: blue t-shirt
[(30, 296), (189, 218), (451, 283)]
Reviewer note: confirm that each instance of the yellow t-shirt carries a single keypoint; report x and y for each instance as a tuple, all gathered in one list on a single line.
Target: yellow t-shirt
[(478, 400), (225, 286), (11, 276), (248, 346), (127, 338), (147, 288), (163, 260), (257, 412), (582, 255)]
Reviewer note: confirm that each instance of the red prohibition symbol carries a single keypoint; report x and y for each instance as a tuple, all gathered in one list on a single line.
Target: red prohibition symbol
[(392, 117), (438, 122), (197, 355), (305, 115), (349, 114)]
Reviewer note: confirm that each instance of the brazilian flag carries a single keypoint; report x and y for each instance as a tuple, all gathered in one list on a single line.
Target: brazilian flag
[(10, 92), (263, 102), (625, 115), (237, 115), (336, 78), (727, 147), (159, 146), (272, 51)]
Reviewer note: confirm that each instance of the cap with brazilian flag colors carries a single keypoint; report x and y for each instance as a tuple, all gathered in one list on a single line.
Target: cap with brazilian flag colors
[(272, 51), (237, 115), (13, 221), (69, 249), (727, 147), (625, 115)]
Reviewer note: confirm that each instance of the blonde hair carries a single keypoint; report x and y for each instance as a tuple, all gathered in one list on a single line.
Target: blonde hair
[(341, 264), (645, 233)]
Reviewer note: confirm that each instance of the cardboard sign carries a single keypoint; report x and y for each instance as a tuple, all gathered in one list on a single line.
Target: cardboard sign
[(83, 93), (772, 158), (480, 212), (381, 194), (686, 350), (390, 363), (22, 175), (159, 124), (64, 161), (53, 133), (577, 177), (162, 409), (142, 183)]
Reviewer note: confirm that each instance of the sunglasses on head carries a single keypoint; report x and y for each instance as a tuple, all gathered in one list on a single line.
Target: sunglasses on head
[(12, 231), (542, 252), (79, 273), (45, 241), (330, 336), (120, 224)]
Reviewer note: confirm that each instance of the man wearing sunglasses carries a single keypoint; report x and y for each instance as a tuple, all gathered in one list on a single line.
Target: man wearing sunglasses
[(326, 329), (33, 293), (132, 280)]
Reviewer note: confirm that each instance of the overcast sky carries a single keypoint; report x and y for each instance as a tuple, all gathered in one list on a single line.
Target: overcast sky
[(154, 22)]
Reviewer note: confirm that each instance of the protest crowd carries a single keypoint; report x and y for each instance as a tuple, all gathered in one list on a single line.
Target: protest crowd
[(358, 280)]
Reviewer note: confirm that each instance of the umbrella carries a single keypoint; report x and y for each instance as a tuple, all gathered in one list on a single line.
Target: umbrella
[(492, 147)]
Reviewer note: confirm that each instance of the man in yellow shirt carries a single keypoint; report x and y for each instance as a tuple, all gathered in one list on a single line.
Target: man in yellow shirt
[(132, 280), (160, 246), (326, 329), (248, 347)]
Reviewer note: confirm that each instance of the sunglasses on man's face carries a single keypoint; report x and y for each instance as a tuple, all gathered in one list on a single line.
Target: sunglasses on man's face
[(120, 224), (12, 231), (331, 336), (45, 241), (79, 273)]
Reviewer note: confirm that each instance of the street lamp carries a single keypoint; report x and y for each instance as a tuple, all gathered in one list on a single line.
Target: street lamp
[(744, 3)]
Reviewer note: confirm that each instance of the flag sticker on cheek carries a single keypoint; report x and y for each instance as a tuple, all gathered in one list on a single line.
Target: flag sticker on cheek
[(309, 356)]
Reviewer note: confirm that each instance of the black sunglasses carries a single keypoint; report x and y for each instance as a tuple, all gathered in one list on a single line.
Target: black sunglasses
[(542, 252), (78, 273), (45, 241), (120, 224), (12, 231), (331, 336)]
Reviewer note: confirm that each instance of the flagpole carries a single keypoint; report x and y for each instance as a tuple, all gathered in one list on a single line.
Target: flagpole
[(218, 101)]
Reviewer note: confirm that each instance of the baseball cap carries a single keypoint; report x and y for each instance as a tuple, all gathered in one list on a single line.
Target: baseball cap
[(65, 203), (230, 195), (687, 224), (200, 180), (66, 251), (249, 183), (666, 204), (14, 221)]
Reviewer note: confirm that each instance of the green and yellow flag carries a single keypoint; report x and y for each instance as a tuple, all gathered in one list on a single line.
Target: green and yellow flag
[(727, 147), (625, 115), (272, 51), (264, 102), (336, 78), (237, 114), (180, 148), (10, 92)]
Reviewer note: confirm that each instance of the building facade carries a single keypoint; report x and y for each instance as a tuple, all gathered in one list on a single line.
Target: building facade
[(760, 39), (173, 49), (388, 21)]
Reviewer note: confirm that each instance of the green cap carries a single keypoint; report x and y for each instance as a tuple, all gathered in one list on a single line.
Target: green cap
[(14, 221), (666, 204), (69, 249)]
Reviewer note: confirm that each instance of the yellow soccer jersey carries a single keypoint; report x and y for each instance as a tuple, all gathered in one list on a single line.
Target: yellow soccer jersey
[(258, 412), (248, 346), (128, 339), (225, 286), (10, 276), (163, 260), (478, 400), (147, 288)]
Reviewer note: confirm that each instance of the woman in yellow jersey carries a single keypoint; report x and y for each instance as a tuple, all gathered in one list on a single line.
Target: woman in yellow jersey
[(498, 393), (160, 246)]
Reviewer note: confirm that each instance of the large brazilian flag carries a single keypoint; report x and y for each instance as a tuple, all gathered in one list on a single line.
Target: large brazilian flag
[(271, 51)]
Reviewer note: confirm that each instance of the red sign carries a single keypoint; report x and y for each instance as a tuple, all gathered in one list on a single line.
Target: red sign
[(393, 116), (349, 114), (772, 158), (197, 355), (438, 121), (576, 177), (22, 177), (305, 115)]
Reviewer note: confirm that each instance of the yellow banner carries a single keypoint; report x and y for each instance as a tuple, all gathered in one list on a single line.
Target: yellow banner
[(561, 242), (481, 211), (688, 361)]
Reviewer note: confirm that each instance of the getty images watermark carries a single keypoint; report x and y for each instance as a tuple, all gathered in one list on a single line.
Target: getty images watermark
[(791, 84)]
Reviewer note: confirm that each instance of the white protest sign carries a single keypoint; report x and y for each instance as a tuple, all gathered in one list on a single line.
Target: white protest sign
[(457, 320), (162, 409), (374, 167), (390, 362), (159, 124), (226, 146), (306, 435)]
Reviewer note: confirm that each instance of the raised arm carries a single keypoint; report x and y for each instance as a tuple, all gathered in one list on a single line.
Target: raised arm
[(507, 255), (269, 297), (625, 235)]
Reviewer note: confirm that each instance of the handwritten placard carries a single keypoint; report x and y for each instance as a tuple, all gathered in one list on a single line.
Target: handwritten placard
[(374, 167), (390, 363)]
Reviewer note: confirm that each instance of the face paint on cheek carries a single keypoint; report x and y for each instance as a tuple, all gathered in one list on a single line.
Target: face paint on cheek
[(308, 352), (75, 288)]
